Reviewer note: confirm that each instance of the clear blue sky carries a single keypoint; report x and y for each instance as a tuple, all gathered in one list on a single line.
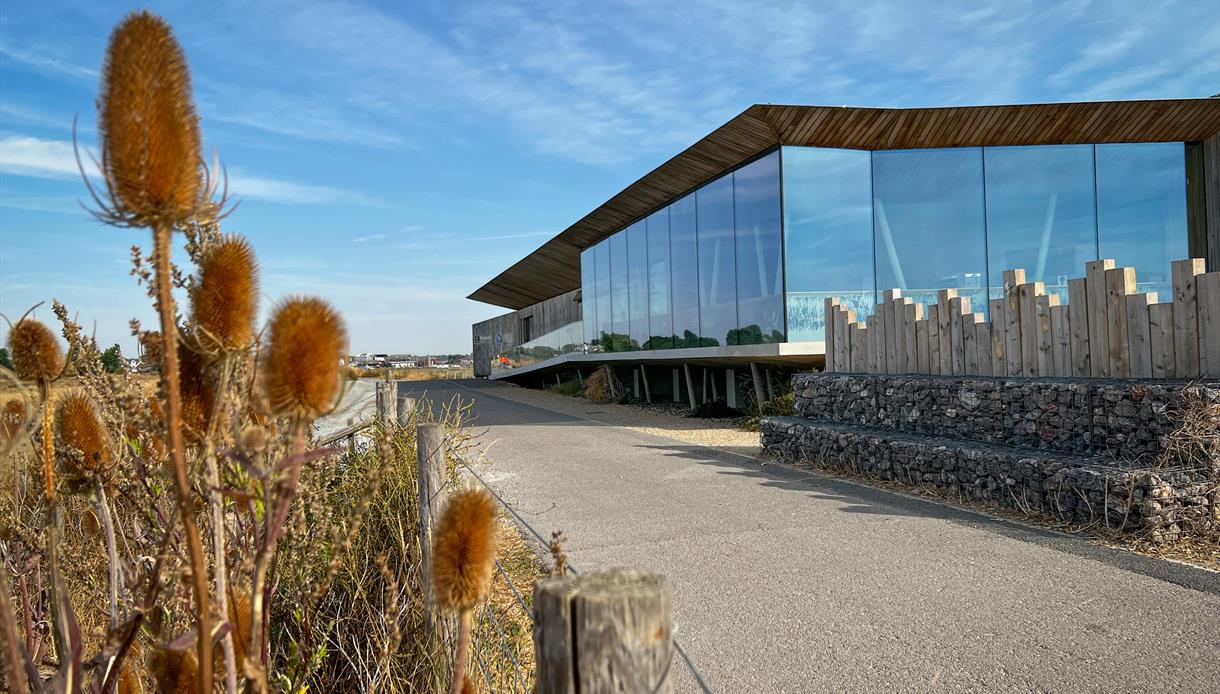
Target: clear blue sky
[(392, 157)]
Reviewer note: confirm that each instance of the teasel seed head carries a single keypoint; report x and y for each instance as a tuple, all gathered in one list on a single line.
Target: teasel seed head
[(239, 618), (225, 299), (36, 352), (305, 345), (81, 429), (12, 419), (198, 393), (176, 672), (465, 550), (148, 127)]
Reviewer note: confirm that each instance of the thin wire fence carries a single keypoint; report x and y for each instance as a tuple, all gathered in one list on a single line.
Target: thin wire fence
[(524, 605)]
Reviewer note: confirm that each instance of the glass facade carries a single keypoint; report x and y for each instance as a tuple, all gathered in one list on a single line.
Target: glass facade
[(684, 272), (828, 235), (1141, 209), (734, 262), (588, 294), (928, 221), (957, 218), (1041, 214), (601, 263), (620, 293), (758, 246), (660, 327), (637, 285), (717, 266)]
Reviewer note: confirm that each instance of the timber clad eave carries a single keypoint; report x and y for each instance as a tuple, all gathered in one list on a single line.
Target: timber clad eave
[(554, 267)]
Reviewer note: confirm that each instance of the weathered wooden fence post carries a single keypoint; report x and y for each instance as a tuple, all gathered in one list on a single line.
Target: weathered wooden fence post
[(406, 407), (385, 402), (430, 471), (608, 631)]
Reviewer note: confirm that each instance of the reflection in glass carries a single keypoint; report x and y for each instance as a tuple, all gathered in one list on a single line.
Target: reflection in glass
[(637, 285), (660, 327), (717, 271), (684, 272), (760, 280), (619, 295), (828, 229), (1040, 214), (928, 221), (588, 295), (601, 262), (1141, 209)]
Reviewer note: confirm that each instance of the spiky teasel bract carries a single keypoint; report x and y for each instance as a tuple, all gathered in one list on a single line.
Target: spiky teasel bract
[(82, 430), (148, 127), (464, 550), (225, 299), (305, 344), (36, 353)]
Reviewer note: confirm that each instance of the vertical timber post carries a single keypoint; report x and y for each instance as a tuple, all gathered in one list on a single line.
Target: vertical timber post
[(608, 631), (430, 471), (647, 388), (406, 407)]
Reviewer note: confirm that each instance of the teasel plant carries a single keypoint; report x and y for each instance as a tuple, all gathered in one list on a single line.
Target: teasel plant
[(154, 178), (464, 553), (224, 304), (37, 357), (305, 344)]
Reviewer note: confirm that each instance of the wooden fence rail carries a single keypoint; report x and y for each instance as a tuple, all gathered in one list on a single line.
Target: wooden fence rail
[(1106, 330)]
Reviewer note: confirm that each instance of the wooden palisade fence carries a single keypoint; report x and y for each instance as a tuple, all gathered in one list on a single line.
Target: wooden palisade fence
[(1107, 329)]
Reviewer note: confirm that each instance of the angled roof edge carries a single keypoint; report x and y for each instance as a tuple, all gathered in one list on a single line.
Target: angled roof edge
[(554, 267)]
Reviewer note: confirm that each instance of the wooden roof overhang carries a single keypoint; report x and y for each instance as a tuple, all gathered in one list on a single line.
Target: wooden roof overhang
[(554, 267)]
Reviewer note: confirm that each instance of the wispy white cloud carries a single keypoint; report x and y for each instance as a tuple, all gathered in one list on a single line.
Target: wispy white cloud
[(46, 63), (500, 237), (370, 237), (244, 184), (22, 155)]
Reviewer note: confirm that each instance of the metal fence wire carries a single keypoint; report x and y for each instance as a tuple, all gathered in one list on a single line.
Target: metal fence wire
[(494, 645)]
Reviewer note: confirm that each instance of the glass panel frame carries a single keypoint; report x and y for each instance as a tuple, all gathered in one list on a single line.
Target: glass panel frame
[(660, 309), (717, 263)]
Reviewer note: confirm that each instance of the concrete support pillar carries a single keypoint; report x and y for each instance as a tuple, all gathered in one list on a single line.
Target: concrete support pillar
[(690, 387), (733, 396), (756, 375), (677, 386)]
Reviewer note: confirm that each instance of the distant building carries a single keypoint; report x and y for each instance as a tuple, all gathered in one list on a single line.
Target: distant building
[(723, 256)]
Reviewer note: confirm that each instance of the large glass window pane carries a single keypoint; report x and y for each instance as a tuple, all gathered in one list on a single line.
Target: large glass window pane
[(828, 232), (717, 265), (684, 266), (1041, 214), (605, 326), (660, 327), (620, 315), (588, 295), (928, 221), (1141, 209), (760, 280), (637, 284)]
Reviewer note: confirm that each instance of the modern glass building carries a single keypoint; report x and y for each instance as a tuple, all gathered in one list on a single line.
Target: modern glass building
[(733, 257)]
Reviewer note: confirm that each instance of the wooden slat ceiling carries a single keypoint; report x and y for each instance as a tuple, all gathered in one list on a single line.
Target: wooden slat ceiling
[(555, 267)]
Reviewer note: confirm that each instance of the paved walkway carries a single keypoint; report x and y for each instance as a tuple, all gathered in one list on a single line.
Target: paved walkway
[(787, 581)]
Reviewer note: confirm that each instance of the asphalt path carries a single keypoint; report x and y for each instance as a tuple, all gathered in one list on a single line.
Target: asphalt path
[(790, 581)]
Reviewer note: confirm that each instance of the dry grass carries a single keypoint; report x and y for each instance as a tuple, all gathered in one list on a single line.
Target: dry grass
[(418, 374), (604, 386)]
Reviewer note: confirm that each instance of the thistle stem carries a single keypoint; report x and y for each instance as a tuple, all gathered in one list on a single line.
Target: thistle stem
[(463, 646), (212, 470), (112, 553), (276, 504), (182, 486)]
